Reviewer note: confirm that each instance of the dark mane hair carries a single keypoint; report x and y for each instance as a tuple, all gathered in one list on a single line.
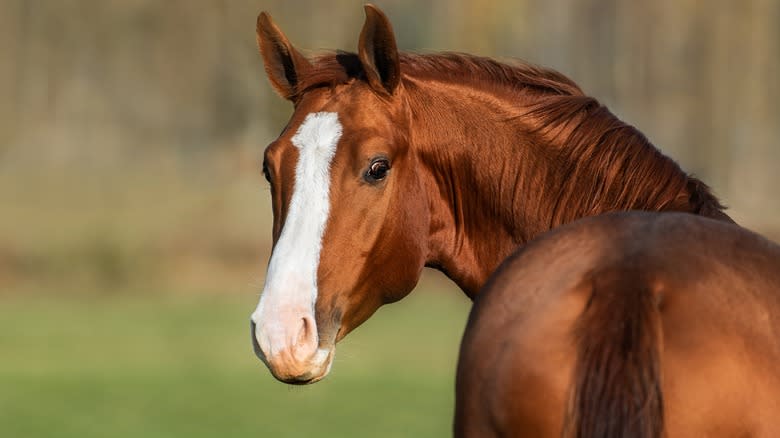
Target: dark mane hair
[(619, 167), (605, 164), (337, 68)]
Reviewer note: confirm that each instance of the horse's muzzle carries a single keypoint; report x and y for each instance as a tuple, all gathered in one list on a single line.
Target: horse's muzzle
[(296, 359)]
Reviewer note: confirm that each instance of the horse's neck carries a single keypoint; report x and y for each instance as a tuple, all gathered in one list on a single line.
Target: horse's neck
[(472, 180), (496, 182)]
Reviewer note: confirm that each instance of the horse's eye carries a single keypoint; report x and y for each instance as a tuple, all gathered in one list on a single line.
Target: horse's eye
[(377, 170), (266, 173)]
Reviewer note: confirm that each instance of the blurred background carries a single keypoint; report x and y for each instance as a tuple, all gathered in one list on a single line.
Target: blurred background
[(135, 223)]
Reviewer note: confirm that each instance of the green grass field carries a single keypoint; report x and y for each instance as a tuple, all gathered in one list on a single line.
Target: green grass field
[(142, 365)]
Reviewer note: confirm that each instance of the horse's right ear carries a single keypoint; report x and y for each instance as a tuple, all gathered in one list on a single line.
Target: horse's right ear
[(283, 63)]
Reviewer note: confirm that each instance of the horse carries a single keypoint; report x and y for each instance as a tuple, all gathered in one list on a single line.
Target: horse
[(392, 162), (632, 324)]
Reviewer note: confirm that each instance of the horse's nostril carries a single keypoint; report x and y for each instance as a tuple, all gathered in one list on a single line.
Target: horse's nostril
[(303, 332), (306, 338)]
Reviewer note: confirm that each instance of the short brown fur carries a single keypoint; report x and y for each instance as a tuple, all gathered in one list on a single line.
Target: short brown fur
[(627, 324)]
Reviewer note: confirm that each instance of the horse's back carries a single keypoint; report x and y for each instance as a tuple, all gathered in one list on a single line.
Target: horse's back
[(716, 292)]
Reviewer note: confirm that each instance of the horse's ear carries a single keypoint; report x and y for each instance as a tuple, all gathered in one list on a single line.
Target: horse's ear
[(378, 51), (283, 63)]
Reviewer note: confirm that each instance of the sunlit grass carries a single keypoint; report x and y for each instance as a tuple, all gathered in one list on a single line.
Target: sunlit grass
[(181, 365)]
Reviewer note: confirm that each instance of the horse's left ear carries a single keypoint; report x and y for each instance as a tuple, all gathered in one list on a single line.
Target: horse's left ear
[(378, 52), (283, 62)]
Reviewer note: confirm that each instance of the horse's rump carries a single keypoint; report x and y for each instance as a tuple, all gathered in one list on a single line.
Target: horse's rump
[(627, 324)]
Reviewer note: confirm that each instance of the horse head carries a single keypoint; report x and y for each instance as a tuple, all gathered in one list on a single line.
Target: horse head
[(350, 213)]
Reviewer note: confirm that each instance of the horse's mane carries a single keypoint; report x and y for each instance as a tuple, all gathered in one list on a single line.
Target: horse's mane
[(622, 168), (606, 164), (336, 68)]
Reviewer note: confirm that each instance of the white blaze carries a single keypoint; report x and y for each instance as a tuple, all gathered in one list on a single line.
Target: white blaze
[(290, 291)]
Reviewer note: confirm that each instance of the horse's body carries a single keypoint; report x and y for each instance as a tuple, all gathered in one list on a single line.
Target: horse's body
[(628, 324)]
